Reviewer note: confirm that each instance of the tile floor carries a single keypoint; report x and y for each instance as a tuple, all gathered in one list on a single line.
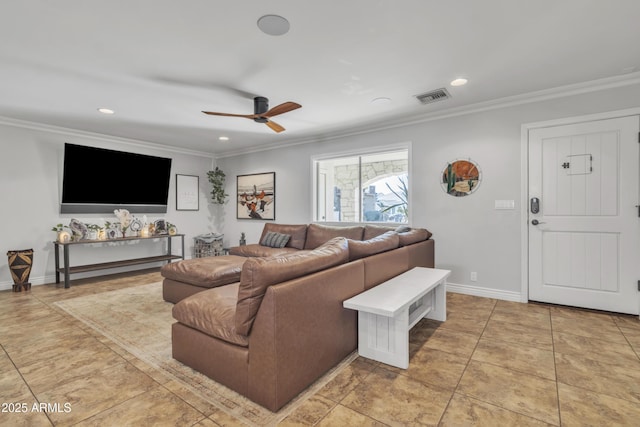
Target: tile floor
[(492, 363)]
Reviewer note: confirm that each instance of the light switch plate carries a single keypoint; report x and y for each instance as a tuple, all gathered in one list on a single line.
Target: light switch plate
[(505, 204)]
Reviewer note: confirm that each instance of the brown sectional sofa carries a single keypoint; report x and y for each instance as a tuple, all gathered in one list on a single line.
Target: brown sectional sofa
[(280, 327)]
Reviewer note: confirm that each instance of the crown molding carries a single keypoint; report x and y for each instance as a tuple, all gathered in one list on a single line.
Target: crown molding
[(495, 104), (42, 127)]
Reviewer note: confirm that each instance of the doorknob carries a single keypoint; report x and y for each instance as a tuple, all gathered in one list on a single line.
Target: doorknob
[(536, 222)]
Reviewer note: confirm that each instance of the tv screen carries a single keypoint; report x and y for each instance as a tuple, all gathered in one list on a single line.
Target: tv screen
[(97, 180)]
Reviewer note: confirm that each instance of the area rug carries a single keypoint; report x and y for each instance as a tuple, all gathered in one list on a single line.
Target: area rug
[(139, 320)]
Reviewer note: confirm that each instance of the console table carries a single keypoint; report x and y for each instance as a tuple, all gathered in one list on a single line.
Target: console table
[(67, 269), (388, 311)]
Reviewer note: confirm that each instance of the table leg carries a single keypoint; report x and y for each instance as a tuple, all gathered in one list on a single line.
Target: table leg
[(66, 265), (57, 257)]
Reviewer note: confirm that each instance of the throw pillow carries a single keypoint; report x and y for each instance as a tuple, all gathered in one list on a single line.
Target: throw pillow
[(403, 229), (275, 240)]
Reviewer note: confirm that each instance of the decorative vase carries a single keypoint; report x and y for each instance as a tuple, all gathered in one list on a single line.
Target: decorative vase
[(20, 262), (64, 236)]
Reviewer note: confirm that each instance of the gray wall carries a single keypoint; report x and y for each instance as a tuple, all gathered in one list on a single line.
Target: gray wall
[(470, 234), (31, 176)]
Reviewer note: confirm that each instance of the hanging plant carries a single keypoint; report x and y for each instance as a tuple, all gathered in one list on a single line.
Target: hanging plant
[(216, 178)]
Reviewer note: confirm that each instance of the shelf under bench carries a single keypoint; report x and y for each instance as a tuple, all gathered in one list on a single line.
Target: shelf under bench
[(66, 269)]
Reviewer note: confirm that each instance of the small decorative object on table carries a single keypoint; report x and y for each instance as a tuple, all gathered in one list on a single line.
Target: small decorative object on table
[(20, 262), (62, 236), (125, 219), (242, 239)]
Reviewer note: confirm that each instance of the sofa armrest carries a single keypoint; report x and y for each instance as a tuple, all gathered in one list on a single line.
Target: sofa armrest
[(305, 321)]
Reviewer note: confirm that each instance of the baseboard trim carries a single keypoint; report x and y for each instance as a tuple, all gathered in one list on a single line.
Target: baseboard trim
[(484, 292)]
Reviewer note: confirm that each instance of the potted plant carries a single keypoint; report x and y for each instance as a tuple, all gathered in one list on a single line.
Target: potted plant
[(216, 178), (94, 231)]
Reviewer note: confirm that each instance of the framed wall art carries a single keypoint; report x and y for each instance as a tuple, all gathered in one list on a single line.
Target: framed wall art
[(461, 177), (256, 196), (187, 194)]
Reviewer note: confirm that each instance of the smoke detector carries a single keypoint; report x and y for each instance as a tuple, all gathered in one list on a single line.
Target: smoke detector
[(433, 96)]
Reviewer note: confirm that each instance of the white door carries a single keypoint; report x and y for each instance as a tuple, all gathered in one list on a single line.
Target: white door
[(584, 242)]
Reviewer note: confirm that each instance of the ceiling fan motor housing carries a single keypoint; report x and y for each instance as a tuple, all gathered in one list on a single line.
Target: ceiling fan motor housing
[(260, 106)]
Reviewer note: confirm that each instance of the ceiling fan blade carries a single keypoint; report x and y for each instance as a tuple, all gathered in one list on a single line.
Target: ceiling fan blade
[(274, 126), (247, 116), (282, 108)]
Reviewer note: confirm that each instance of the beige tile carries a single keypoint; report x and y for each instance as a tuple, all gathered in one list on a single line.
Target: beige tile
[(468, 322), (343, 416), (88, 396), (515, 333), (30, 418), (156, 407), (452, 341), (528, 315), (595, 349), (627, 321), (583, 408), (518, 308), (581, 314), (466, 411), (613, 380), (310, 412), (47, 374), (457, 301), (518, 357), (434, 367), (347, 379), (398, 400), (632, 336), (525, 394), (600, 327)]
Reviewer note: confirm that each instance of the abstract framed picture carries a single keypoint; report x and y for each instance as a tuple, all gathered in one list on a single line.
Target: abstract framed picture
[(256, 196), (187, 196)]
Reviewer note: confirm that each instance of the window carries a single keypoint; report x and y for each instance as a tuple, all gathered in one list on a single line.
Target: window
[(371, 187)]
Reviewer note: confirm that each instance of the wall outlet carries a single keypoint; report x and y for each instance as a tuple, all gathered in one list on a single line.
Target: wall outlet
[(474, 276)]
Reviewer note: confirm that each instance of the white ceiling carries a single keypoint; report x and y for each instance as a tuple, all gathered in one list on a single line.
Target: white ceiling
[(159, 63)]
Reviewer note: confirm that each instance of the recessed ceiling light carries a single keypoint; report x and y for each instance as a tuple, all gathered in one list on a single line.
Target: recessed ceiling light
[(381, 101), (223, 138), (274, 25), (459, 82), (106, 111)]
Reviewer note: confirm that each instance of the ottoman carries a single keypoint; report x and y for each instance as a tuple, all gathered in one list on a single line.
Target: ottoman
[(190, 276)]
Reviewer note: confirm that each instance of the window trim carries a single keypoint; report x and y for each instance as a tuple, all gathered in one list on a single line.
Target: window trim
[(352, 153)]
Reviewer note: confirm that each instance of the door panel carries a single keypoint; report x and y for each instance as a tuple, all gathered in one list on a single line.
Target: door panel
[(585, 250)]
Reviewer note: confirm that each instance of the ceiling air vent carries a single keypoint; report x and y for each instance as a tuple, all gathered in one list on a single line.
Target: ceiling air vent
[(433, 96)]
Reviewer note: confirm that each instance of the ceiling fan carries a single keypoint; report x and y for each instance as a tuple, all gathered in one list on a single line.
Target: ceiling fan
[(262, 113)]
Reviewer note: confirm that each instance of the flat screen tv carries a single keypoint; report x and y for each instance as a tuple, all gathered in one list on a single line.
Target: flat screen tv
[(97, 180)]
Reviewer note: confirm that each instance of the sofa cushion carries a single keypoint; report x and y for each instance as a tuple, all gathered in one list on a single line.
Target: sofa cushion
[(317, 234), (413, 236), (260, 273), (298, 233), (212, 312), (256, 250), (371, 231), (275, 240), (382, 243), (207, 272)]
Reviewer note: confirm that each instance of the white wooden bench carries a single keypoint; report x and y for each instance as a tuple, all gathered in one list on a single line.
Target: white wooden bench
[(388, 311)]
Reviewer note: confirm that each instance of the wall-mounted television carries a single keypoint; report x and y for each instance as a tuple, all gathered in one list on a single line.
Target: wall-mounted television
[(97, 180)]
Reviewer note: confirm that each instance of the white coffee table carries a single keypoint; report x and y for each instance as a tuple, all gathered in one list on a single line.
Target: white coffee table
[(388, 311)]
